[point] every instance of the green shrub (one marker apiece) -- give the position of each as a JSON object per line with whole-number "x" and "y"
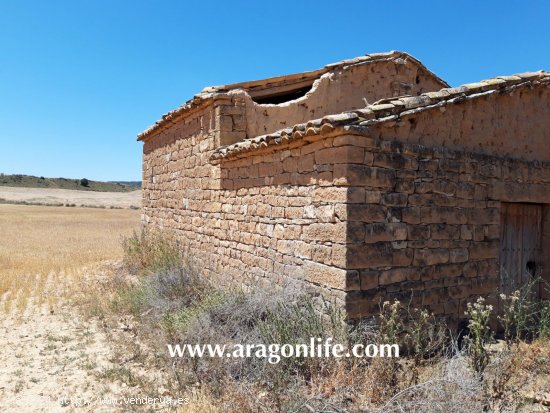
{"x": 130, "y": 299}
{"x": 169, "y": 280}
{"x": 297, "y": 323}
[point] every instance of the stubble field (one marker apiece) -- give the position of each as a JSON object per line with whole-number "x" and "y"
{"x": 37, "y": 242}
{"x": 50, "y": 354}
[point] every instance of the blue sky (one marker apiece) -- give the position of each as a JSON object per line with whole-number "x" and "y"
{"x": 79, "y": 79}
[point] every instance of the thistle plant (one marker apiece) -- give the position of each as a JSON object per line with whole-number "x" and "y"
{"x": 514, "y": 317}
{"x": 390, "y": 326}
{"x": 385, "y": 370}
{"x": 419, "y": 333}
{"x": 419, "y": 339}
{"x": 480, "y": 333}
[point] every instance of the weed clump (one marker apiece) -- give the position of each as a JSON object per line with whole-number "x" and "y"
{"x": 544, "y": 320}
{"x": 170, "y": 302}
{"x": 151, "y": 252}
{"x": 168, "y": 281}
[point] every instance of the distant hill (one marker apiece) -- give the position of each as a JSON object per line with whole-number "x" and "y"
{"x": 136, "y": 184}
{"x": 28, "y": 181}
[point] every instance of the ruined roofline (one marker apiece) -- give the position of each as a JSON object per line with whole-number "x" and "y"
{"x": 384, "y": 110}
{"x": 256, "y": 87}
{"x": 259, "y": 88}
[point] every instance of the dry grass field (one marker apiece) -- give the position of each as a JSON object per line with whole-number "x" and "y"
{"x": 69, "y": 197}
{"x": 39, "y": 241}
{"x": 48, "y": 351}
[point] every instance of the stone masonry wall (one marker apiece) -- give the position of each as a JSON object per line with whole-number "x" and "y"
{"x": 266, "y": 218}
{"x": 424, "y": 222}
{"x": 357, "y": 214}
{"x": 514, "y": 124}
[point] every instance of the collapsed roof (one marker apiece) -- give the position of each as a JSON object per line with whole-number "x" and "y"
{"x": 279, "y": 91}
{"x": 387, "y": 111}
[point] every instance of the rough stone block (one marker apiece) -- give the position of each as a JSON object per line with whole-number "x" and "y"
{"x": 326, "y": 232}
{"x": 385, "y": 232}
{"x": 396, "y": 275}
{"x": 430, "y": 257}
{"x": 325, "y": 275}
{"x": 369, "y": 255}
{"x": 484, "y": 250}
{"x": 340, "y": 155}
{"x": 369, "y": 279}
{"x": 366, "y": 213}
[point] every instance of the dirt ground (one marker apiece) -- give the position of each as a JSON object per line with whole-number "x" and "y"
{"x": 51, "y": 359}
{"x": 47, "y": 196}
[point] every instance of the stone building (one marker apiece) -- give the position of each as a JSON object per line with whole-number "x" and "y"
{"x": 368, "y": 179}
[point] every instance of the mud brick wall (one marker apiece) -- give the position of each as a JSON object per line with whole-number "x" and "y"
{"x": 346, "y": 88}
{"x": 424, "y": 222}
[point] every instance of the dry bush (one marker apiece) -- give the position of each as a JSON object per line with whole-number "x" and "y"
{"x": 167, "y": 301}
{"x": 500, "y": 371}
{"x": 152, "y": 251}
{"x": 259, "y": 317}
{"x": 454, "y": 388}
